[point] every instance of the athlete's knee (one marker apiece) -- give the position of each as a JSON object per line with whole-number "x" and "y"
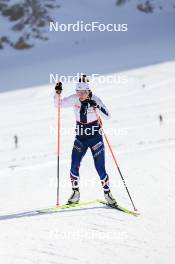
{"x": 78, "y": 146}
{"x": 98, "y": 150}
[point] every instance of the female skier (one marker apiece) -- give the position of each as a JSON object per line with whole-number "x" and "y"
{"x": 88, "y": 135}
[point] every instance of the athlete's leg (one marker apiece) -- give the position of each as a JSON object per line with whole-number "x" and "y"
{"x": 98, "y": 152}
{"x": 79, "y": 150}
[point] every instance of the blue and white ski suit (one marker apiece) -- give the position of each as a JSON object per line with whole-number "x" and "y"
{"x": 88, "y": 135}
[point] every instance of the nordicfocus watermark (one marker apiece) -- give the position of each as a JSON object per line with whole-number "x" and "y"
{"x": 85, "y": 183}
{"x": 81, "y": 131}
{"x": 83, "y": 235}
{"x": 94, "y": 78}
{"x": 93, "y": 26}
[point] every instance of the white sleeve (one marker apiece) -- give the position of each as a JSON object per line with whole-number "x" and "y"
{"x": 101, "y": 109}
{"x": 65, "y": 102}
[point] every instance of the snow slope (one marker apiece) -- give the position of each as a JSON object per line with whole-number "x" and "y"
{"x": 150, "y": 39}
{"x": 95, "y": 234}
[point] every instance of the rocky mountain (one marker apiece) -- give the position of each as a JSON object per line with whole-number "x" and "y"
{"x": 27, "y": 19}
{"x": 149, "y": 6}
{"x": 150, "y": 39}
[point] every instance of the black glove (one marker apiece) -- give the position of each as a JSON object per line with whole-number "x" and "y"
{"x": 58, "y": 88}
{"x": 93, "y": 103}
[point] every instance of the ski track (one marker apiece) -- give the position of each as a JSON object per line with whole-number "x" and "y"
{"x": 93, "y": 234}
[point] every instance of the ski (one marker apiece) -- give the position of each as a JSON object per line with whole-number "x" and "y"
{"x": 60, "y": 208}
{"x": 64, "y": 206}
{"x": 119, "y": 207}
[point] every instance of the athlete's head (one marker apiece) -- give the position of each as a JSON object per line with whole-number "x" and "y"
{"x": 82, "y": 88}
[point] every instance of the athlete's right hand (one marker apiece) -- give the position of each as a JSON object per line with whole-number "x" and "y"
{"x": 58, "y": 88}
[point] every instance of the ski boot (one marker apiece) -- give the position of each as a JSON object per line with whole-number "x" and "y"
{"x": 109, "y": 198}
{"x": 75, "y": 196}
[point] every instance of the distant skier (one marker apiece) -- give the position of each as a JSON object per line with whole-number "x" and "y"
{"x": 160, "y": 119}
{"x": 88, "y": 135}
{"x": 16, "y": 141}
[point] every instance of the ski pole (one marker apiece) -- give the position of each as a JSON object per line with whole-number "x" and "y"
{"x": 114, "y": 158}
{"x": 58, "y": 157}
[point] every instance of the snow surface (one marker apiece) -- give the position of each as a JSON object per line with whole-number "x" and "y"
{"x": 95, "y": 234}
{"x": 150, "y": 39}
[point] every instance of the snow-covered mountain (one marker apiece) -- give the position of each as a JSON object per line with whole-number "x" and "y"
{"x": 149, "y": 39}
{"x": 145, "y": 151}
{"x": 28, "y": 20}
